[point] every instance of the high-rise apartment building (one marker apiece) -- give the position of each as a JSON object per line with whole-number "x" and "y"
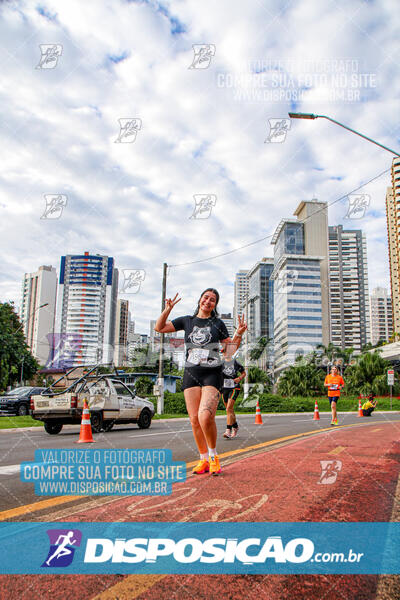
{"x": 381, "y": 316}
{"x": 260, "y": 313}
{"x": 38, "y": 323}
{"x": 348, "y": 284}
{"x": 240, "y": 294}
{"x": 86, "y": 310}
{"x": 121, "y": 333}
{"x": 393, "y": 227}
{"x": 301, "y": 293}
{"x": 228, "y": 320}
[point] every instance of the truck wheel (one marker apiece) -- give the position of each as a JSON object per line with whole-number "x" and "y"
{"x": 144, "y": 421}
{"x": 108, "y": 425}
{"x": 52, "y": 428}
{"x": 22, "y": 410}
{"x": 96, "y": 421}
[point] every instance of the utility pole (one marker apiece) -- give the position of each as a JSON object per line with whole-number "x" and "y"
{"x": 160, "y": 399}
{"x": 246, "y": 355}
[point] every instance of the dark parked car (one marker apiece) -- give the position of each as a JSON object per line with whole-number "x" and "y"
{"x": 17, "y": 401}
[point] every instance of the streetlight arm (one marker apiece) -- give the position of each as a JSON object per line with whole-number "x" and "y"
{"x": 312, "y": 116}
{"x": 358, "y": 133}
{"x": 29, "y": 316}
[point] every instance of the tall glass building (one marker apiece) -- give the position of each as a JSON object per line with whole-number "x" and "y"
{"x": 301, "y": 294}
{"x": 261, "y": 300}
{"x": 86, "y": 310}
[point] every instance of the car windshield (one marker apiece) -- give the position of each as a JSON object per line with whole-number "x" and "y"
{"x": 18, "y": 391}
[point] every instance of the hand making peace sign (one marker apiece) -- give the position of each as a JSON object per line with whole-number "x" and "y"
{"x": 171, "y": 303}
{"x": 242, "y": 326}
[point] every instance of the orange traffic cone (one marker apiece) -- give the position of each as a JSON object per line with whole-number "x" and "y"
{"x": 258, "y": 420}
{"x": 316, "y": 412}
{"x": 85, "y": 435}
{"x": 360, "y": 412}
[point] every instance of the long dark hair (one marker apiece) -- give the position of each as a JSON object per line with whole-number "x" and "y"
{"x": 214, "y": 312}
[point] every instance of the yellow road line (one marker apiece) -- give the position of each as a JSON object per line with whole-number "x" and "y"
{"x": 337, "y": 450}
{"x": 35, "y": 506}
{"x": 22, "y": 510}
{"x": 129, "y": 588}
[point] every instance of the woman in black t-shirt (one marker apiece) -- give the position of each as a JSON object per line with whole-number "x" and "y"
{"x": 205, "y": 333}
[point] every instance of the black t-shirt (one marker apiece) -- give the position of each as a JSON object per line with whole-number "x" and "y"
{"x": 202, "y": 339}
{"x": 231, "y": 370}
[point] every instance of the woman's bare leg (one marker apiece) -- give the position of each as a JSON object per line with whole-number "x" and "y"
{"x": 192, "y": 398}
{"x": 207, "y": 409}
{"x": 230, "y": 412}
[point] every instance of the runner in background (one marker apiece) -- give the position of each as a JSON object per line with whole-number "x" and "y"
{"x": 205, "y": 337}
{"x": 233, "y": 373}
{"x": 334, "y": 382}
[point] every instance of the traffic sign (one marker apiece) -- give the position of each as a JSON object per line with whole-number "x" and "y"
{"x": 390, "y": 377}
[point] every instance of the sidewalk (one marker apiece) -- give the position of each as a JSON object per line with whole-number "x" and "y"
{"x": 284, "y": 483}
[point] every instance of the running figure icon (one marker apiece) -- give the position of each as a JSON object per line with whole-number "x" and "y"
{"x": 62, "y": 549}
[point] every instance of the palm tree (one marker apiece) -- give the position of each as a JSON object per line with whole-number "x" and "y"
{"x": 261, "y": 345}
{"x": 301, "y": 380}
{"x": 368, "y": 375}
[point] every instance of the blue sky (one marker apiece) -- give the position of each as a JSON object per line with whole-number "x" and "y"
{"x": 200, "y": 131}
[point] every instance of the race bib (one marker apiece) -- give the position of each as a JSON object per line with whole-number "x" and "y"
{"x": 229, "y": 383}
{"x": 198, "y": 356}
{"x": 334, "y": 386}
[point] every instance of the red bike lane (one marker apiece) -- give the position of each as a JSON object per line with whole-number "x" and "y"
{"x": 347, "y": 474}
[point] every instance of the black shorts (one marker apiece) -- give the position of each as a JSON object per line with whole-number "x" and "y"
{"x": 333, "y": 399}
{"x": 202, "y": 376}
{"x": 228, "y": 393}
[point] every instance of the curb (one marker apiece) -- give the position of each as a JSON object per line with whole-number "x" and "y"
{"x": 264, "y": 414}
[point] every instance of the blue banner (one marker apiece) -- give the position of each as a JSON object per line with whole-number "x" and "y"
{"x": 200, "y": 548}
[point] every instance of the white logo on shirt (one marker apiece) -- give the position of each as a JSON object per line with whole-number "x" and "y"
{"x": 200, "y": 335}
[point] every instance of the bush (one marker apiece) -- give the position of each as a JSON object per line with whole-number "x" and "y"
{"x": 143, "y": 386}
{"x": 174, "y": 403}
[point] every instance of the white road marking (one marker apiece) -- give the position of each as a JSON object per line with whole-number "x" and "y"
{"x": 164, "y": 433}
{"x": 9, "y": 469}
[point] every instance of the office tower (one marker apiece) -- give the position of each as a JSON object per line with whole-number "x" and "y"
{"x": 240, "y": 294}
{"x": 86, "y": 310}
{"x": 301, "y": 295}
{"x": 121, "y": 333}
{"x": 393, "y": 227}
{"x": 381, "y": 316}
{"x": 348, "y": 284}
{"x": 131, "y": 326}
{"x": 38, "y": 323}
{"x": 154, "y": 336}
{"x": 260, "y": 312}
{"x": 228, "y": 320}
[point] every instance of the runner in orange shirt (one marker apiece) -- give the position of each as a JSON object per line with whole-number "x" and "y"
{"x": 334, "y": 383}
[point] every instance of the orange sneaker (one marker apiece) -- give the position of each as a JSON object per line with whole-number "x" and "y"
{"x": 215, "y": 467}
{"x": 202, "y": 466}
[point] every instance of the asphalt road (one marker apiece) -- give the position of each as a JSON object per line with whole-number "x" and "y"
{"x": 17, "y": 446}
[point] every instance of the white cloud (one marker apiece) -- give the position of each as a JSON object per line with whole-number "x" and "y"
{"x": 133, "y": 201}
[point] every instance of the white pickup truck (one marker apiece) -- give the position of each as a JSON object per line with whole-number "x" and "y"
{"x": 110, "y": 401}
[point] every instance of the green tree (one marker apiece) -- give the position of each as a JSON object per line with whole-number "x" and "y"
{"x": 14, "y": 352}
{"x": 144, "y": 385}
{"x": 368, "y": 375}
{"x": 301, "y": 379}
{"x": 261, "y": 345}
{"x": 257, "y": 375}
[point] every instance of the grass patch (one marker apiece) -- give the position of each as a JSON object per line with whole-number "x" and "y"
{"x": 14, "y": 422}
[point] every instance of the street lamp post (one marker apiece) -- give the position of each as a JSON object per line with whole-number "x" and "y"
{"x": 29, "y": 316}
{"x": 312, "y": 116}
